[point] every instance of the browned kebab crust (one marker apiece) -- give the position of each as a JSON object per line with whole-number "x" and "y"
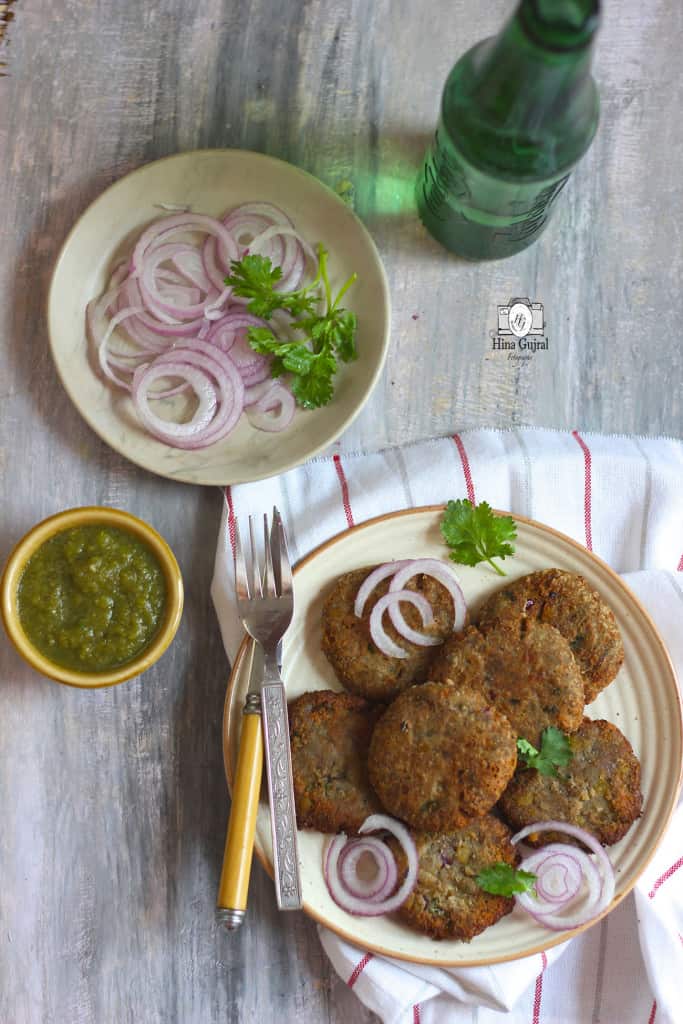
{"x": 346, "y": 641}
{"x": 447, "y": 902}
{"x": 599, "y": 790}
{"x": 440, "y": 756}
{"x": 330, "y": 734}
{"x": 525, "y": 670}
{"x": 566, "y": 601}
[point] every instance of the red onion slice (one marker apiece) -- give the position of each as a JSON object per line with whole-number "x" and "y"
{"x": 175, "y": 433}
{"x": 258, "y": 209}
{"x": 253, "y": 366}
{"x": 552, "y": 907}
{"x": 401, "y": 626}
{"x": 559, "y": 873}
{"x": 230, "y": 387}
{"x": 155, "y": 301}
{"x": 383, "y": 884}
{"x": 381, "y": 640}
{"x": 253, "y": 392}
{"x": 444, "y": 575}
{"x": 192, "y": 269}
{"x": 293, "y": 262}
{"x": 274, "y": 410}
{"x": 169, "y": 300}
{"x": 367, "y": 906}
{"x": 371, "y": 581}
{"x": 103, "y": 351}
{"x": 154, "y": 330}
{"x": 161, "y": 231}
{"x": 201, "y": 366}
{"x": 215, "y": 272}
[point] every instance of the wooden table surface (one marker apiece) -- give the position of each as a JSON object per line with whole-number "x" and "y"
{"x": 113, "y": 803}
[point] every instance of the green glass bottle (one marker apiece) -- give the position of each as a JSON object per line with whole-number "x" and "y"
{"x": 518, "y": 111}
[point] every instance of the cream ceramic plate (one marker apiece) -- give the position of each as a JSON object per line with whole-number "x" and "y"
{"x": 212, "y": 181}
{"x": 642, "y": 701}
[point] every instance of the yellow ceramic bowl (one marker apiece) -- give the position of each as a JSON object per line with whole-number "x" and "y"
{"x": 84, "y": 517}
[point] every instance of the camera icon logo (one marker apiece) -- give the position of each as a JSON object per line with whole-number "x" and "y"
{"x": 521, "y": 317}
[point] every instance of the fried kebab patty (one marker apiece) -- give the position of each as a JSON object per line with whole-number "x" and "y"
{"x": 599, "y": 790}
{"x": 440, "y": 756}
{"x": 525, "y": 670}
{"x": 446, "y": 902}
{"x": 564, "y": 600}
{"x": 348, "y": 645}
{"x": 329, "y": 734}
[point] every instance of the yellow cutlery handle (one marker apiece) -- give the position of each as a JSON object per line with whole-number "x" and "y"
{"x": 239, "y": 842}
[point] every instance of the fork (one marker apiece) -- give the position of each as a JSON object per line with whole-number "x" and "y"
{"x": 265, "y": 603}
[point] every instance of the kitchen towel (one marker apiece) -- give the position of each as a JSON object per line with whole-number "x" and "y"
{"x": 622, "y": 497}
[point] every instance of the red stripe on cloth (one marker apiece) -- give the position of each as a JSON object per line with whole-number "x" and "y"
{"x": 467, "y": 473}
{"x": 416, "y": 1014}
{"x": 538, "y": 991}
{"x": 587, "y": 470}
{"x": 653, "y": 1013}
{"x": 667, "y": 874}
{"x": 358, "y": 969}
{"x": 680, "y": 565}
{"x": 231, "y": 517}
{"x": 344, "y": 490}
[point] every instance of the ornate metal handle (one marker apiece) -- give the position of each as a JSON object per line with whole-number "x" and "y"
{"x": 281, "y": 796}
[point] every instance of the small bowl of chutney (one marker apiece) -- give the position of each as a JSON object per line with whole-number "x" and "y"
{"x": 91, "y": 596}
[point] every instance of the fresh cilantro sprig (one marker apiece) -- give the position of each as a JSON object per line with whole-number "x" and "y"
{"x": 503, "y": 880}
{"x": 555, "y": 752}
{"x": 254, "y": 278}
{"x": 312, "y": 362}
{"x": 475, "y": 534}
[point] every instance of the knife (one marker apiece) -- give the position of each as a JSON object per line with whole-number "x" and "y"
{"x": 233, "y": 887}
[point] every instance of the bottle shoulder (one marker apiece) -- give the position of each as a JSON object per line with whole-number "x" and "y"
{"x": 516, "y": 114}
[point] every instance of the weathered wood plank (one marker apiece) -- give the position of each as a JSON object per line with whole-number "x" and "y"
{"x": 114, "y": 803}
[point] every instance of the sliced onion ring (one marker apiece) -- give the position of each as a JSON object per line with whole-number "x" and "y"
{"x": 551, "y": 909}
{"x": 383, "y": 884}
{"x": 369, "y": 906}
{"x": 371, "y": 581}
{"x": 440, "y": 572}
{"x": 167, "y": 313}
{"x": 381, "y": 640}
{"x": 274, "y": 410}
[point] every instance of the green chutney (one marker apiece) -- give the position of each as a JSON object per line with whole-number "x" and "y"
{"x": 91, "y": 598}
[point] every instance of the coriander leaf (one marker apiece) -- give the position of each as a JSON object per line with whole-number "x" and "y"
{"x": 298, "y": 359}
{"x": 526, "y": 750}
{"x": 555, "y": 751}
{"x": 342, "y": 335}
{"x": 292, "y": 355}
{"x": 503, "y": 880}
{"x": 312, "y": 359}
{"x": 254, "y": 278}
{"x": 315, "y": 388}
{"x": 312, "y": 372}
{"x": 262, "y": 340}
{"x": 476, "y": 534}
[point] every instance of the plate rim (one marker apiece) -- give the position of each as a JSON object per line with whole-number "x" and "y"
{"x": 371, "y": 380}
{"x": 554, "y": 938}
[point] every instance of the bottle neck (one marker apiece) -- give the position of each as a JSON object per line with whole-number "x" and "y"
{"x": 554, "y": 37}
{"x": 536, "y": 64}
{"x": 559, "y": 26}
{"x": 524, "y": 101}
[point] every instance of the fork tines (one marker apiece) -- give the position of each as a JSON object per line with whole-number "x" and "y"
{"x": 270, "y": 576}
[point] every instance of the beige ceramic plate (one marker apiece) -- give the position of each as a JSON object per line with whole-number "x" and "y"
{"x": 642, "y": 701}
{"x": 212, "y": 181}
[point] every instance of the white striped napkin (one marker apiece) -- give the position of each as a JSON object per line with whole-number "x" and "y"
{"x": 621, "y": 497}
